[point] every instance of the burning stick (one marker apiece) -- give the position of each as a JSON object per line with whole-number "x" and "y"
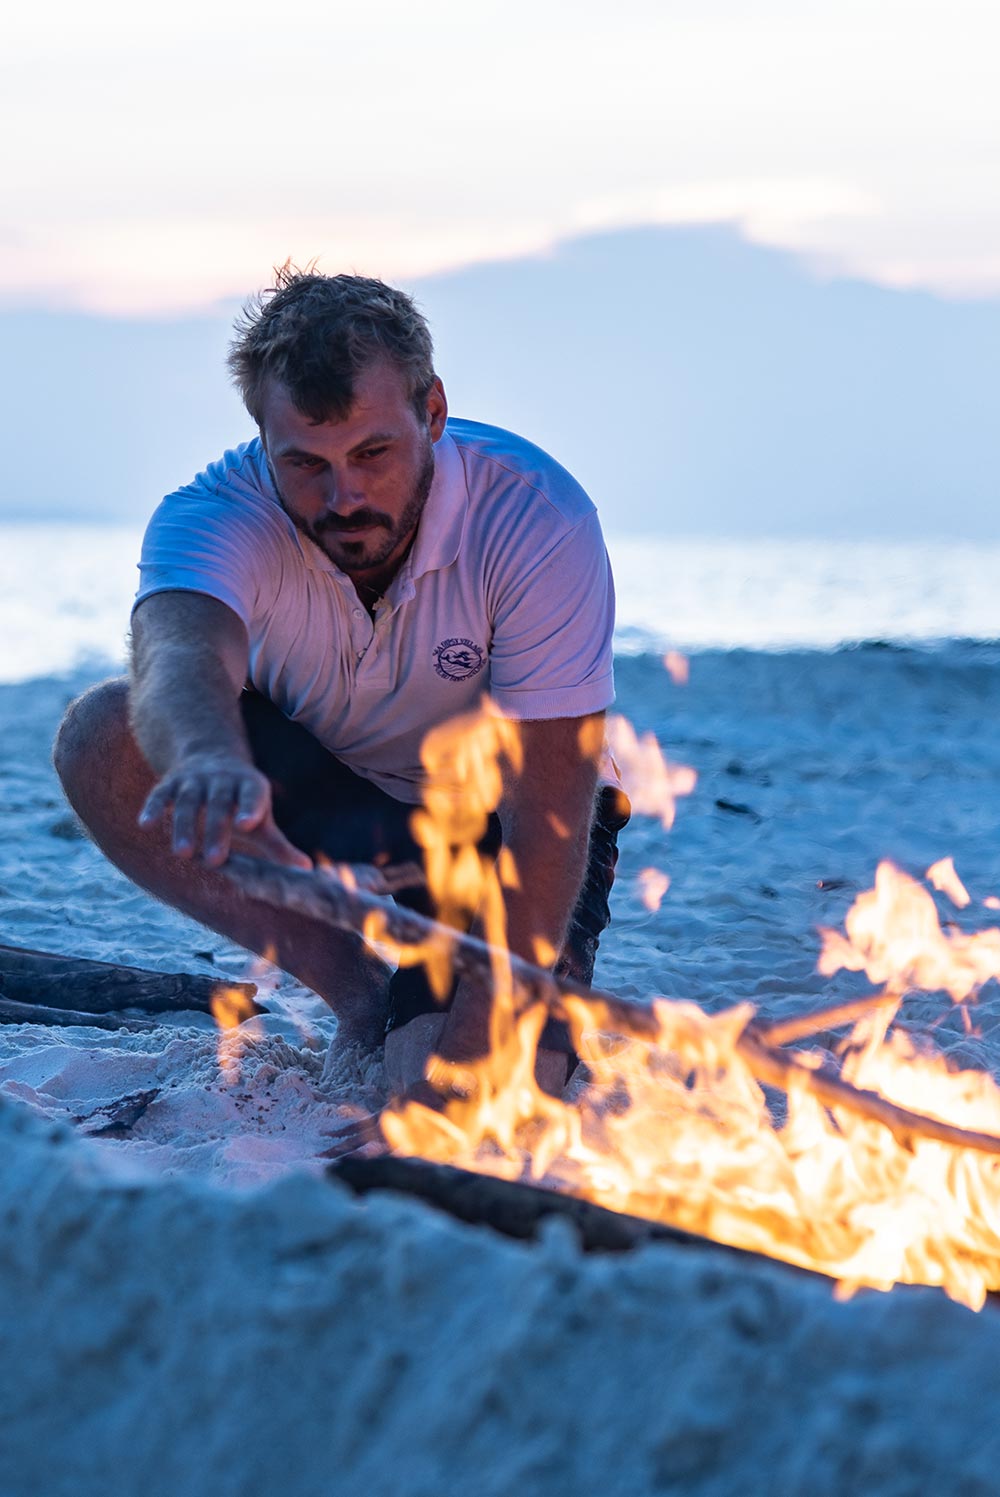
{"x": 324, "y": 897}
{"x": 837, "y": 1016}
{"x": 784, "y": 1072}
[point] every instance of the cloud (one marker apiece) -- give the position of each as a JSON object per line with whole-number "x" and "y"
{"x": 168, "y": 265}
{"x": 863, "y": 137}
{"x": 768, "y": 210}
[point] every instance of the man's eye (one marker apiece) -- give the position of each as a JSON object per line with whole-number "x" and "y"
{"x": 371, "y": 452}
{"x": 305, "y": 462}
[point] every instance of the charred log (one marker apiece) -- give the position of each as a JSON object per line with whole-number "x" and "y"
{"x": 117, "y": 1118}
{"x": 513, "y": 1208}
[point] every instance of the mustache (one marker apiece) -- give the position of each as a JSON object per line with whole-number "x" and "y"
{"x": 361, "y": 519}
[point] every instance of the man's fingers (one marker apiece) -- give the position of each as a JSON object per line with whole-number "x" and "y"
{"x": 253, "y": 802}
{"x": 188, "y": 802}
{"x": 235, "y": 804}
{"x": 214, "y": 804}
{"x": 218, "y": 829}
{"x": 157, "y": 802}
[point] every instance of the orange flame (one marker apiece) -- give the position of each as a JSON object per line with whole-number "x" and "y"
{"x": 651, "y": 783}
{"x": 942, "y": 876}
{"x": 678, "y": 1130}
{"x": 464, "y": 760}
{"x": 894, "y": 936}
{"x": 675, "y": 1127}
{"x": 678, "y": 667}
{"x": 653, "y": 885}
{"x": 234, "y": 1013}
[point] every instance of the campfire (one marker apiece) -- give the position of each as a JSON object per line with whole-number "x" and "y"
{"x": 869, "y": 1159}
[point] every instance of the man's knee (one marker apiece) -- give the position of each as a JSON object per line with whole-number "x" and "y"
{"x": 92, "y": 735}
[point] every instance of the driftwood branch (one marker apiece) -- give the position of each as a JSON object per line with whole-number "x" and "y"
{"x": 12, "y": 1012}
{"x": 74, "y": 984}
{"x": 322, "y": 896}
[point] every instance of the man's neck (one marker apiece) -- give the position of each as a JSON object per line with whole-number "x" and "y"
{"x": 369, "y": 594}
{"x": 372, "y": 585}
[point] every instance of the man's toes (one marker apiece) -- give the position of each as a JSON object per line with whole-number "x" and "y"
{"x": 407, "y": 1050}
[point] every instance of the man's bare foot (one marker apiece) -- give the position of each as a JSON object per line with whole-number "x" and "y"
{"x": 354, "y": 1059}
{"x": 408, "y": 1049}
{"x": 361, "y": 1136}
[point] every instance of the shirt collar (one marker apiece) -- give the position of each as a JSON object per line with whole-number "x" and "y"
{"x": 439, "y": 534}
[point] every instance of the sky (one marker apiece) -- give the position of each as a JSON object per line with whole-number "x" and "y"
{"x": 693, "y": 382}
{"x": 157, "y": 160}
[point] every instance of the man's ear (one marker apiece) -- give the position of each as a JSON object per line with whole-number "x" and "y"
{"x": 437, "y": 409}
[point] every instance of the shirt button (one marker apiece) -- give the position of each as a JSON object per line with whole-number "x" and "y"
{"x": 357, "y": 613}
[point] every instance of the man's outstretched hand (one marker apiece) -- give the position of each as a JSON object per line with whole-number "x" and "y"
{"x": 214, "y": 800}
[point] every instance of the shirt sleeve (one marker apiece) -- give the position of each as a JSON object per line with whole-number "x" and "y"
{"x": 551, "y": 654}
{"x": 203, "y": 539}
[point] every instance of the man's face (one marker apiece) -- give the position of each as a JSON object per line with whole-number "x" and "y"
{"x": 356, "y": 487}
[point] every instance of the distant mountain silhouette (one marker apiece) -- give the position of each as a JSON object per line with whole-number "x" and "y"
{"x": 695, "y": 383}
{"x": 100, "y": 416}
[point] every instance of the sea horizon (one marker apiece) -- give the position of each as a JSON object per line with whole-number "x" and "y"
{"x": 66, "y": 589}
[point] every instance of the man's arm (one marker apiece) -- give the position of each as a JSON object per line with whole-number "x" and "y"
{"x": 188, "y": 665}
{"x": 545, "y": 813}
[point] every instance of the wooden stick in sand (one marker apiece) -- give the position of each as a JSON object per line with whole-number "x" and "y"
{"x": 12, "y": 1012}
{"x": 73, "y": 984}
{"x": 323, "y": 896}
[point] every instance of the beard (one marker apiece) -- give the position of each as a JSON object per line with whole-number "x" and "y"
{"x": 333, "y": 533}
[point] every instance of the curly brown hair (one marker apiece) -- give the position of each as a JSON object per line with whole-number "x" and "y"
{"x": 315, "y": 333}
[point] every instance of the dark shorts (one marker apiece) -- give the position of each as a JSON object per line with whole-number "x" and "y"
{"x": 324, "y": 807}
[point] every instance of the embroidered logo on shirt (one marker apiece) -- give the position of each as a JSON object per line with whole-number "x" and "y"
{"x": 458, "y": 659}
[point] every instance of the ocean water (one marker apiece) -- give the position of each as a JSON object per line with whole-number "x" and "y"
{"x": 66, "y": 591}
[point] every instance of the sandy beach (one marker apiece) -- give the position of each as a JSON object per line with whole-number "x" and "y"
{"x": 192, "y": 1306}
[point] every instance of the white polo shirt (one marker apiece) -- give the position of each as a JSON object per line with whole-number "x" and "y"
{"x": 507, "y": 591}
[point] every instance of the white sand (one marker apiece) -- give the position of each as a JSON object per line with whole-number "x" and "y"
{"x": 172, "y": 1338}
{"x": 191, "y": 1307}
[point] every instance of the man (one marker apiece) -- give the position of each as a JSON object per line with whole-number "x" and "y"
{"x": 309, "y": 608}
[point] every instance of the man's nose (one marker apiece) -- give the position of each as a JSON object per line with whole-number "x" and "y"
{"x": 340, "y": 495}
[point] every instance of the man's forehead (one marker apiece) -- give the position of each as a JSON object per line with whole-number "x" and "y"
{"x": 380, "y": 396}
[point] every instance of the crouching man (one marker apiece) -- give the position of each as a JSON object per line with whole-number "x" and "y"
{"x": 309, "y": 608}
